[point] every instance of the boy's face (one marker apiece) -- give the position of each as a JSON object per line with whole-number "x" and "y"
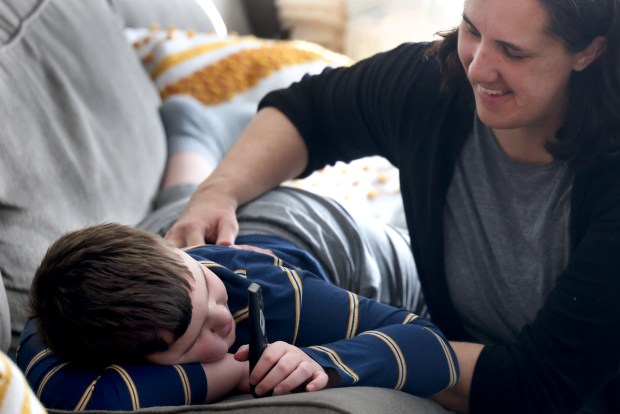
{"x": 211, "y": 331}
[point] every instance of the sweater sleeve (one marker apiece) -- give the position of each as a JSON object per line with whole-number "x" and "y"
{"x": 377, "y": 345}
{"x": 66, "y": 386}
{"x": 572, "y": 348}
{"x": 352, "y": 112}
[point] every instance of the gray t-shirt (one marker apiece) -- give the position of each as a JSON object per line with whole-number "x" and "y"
{"x": 506, "y": 236}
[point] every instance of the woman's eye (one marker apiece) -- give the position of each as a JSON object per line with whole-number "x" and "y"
{"x": 471, "y": 29}
{"x": 511, "y": 54}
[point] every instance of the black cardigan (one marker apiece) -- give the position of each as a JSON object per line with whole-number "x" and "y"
{"x": 392, "y": 105}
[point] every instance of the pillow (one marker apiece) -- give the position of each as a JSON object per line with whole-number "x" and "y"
{"x": 225, "y": 70}
{"x": 15, "y": 394}
{"x": 221, "y": 79}
{"x": 230, "y": 74}
{"x": 81, "y": 139}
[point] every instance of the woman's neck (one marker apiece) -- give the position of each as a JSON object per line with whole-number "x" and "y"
{"x": 525, "y": 146}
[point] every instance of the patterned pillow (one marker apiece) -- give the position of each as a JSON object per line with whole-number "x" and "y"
{"x": 230, "y": 75}
{"x": 218, "y": 70}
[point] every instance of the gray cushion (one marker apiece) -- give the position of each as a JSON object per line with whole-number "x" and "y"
{"x": 81, "y": 140}
{"x": 183, "y": 14}
{"x": 353, "y": 400}
{"x": 5, "y": 321}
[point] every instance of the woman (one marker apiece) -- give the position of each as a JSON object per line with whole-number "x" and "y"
{"x": 506, "y": 134}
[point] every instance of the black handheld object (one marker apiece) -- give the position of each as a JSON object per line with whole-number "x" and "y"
{"x": 258, "y": 339}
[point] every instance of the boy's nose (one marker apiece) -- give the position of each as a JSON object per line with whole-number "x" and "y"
{"x": 220, "y": 318}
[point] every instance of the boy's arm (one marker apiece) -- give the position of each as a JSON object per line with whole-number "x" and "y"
{"x": 230, "y": 374}
{"x": 62, "y": 385}
{"x": 369, "y": 343}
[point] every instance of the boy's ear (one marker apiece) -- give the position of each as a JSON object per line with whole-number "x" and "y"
{"x": 590, "y": 53}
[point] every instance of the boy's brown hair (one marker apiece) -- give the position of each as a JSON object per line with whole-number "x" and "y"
{"x": 110, "y": 294}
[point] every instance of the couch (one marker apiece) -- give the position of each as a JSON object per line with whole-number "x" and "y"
{"x": 82, "y": 143}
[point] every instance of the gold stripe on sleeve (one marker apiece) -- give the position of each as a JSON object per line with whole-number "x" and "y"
{"x": 81, "y": 405}
{"x": 187, "y": 391}
{"x": 241, "y": 314}
{"x": 354, "y": 302}
{"x": 36, "y": 359}
{"x": 333, "y": 355}
{"x": 295, "y": 280}
{"x": 410, "y": 318}
{"x": 398, "y": 356}
{"x": 209, "y": 263}
{"x": 449, "y": 360}
{"x": 131, "y": 387}
{"x": 47, "y": 377}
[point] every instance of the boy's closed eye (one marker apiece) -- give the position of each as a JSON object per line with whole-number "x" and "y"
{"x": 211, "y": 330}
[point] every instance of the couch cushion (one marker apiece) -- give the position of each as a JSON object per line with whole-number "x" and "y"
{"x": 185, "y": 14}
{"x": 81, "y": 139}
{"x": 351, "y": 400}
{"x": 5, "y": 319}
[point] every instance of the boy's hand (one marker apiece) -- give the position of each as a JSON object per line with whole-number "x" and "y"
{"x": 283, "y": 368}
{"x": 226, "y": 375}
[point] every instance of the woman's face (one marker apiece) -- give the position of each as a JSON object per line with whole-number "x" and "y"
{"x": 519, "y": 73}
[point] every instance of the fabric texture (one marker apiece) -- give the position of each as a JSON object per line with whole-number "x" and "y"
{"x": 352, "y": 400}
{"x": 226, "y": 75}
{"x": 393, "y": 105}
{"x": 15, "y": 394}
{"x": 357, "y": 252}
{"x": 185, "y": 14}
{"x": 367, "y": 343}
{"x": 495, "y": 207}
{"x": 81, "y": 142}
{"x": 5, "y": 319}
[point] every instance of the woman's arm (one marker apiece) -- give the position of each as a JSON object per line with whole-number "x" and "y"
{"x": 268, "y": 152}
{"x": 457, "y": 397}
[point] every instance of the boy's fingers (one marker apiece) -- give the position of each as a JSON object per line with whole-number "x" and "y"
{"x": 318, "y": 383}
{"x": 242, "y": 353}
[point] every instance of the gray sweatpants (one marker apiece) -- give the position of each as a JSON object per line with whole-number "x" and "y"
{"x": 359, "y": 254}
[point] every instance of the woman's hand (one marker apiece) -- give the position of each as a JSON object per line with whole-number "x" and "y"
{"x": 209, "y": 216}
{"x": 283, "y": 368}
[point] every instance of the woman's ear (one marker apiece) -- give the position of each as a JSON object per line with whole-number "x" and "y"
{"x": 590, "y": 53}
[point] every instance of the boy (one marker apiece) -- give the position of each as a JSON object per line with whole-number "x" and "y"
{"x": 112, "y": 294}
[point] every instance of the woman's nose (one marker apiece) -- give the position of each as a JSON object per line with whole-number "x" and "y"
{"x": 483, "y": 66}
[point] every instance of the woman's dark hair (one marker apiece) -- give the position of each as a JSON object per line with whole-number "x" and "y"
{"x": 110, "y": 294}
{"x": 592, "y": 128}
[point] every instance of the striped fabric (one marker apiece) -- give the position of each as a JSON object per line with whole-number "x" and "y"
{"x": 15, "y": 394}
{"x": 216, "y": 70}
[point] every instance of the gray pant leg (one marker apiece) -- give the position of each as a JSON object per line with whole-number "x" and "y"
{"x": 167, "y": 208}
{"x": 359, "y": 254}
